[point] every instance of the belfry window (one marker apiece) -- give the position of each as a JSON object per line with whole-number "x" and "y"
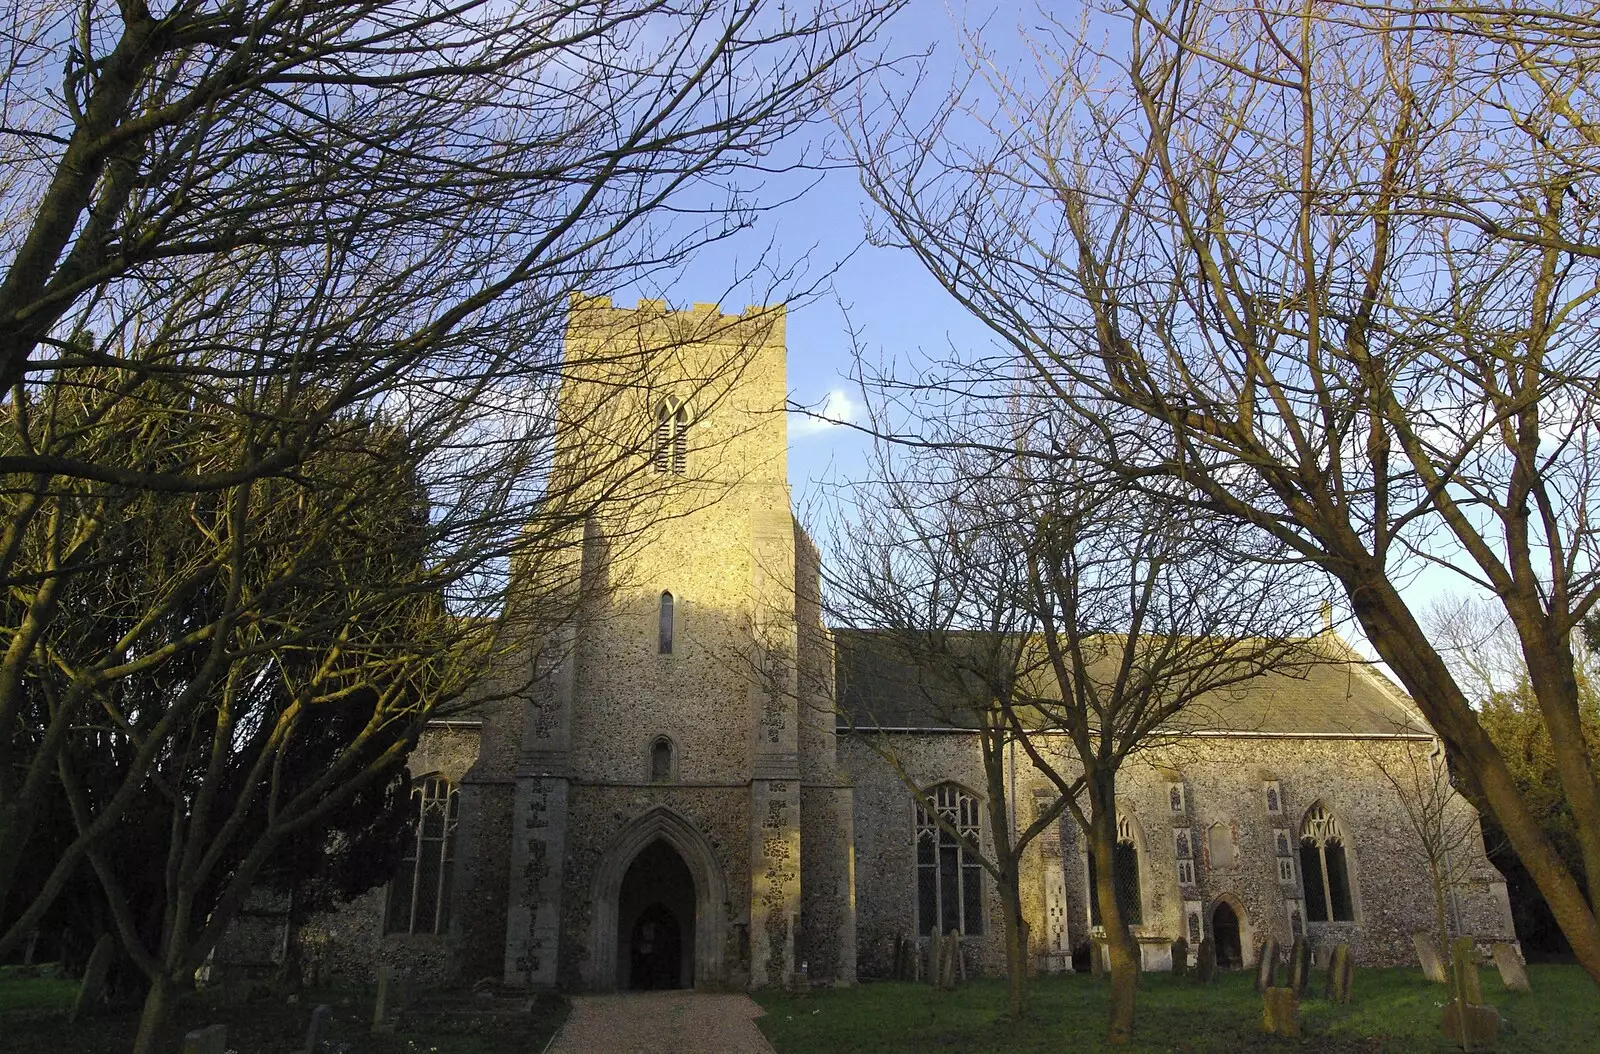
{"x": 1325, "y": 868}
{"x": 672, "y": 438}
{"x": 949, "y": 876}
{"x": 419, "y": 893}
{"x": 1124, "y": 878}
{"x": 664, "y": 630}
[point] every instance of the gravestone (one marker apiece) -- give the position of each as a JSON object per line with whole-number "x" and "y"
{"x": 1205, "y": 967}
{"x": 213, "y": 1039}
{"x": 317, "y": 1036}
{"x": 1341, "y": 974}
{"x": 1428, "y": 955}
{"x": 948, "y": 957}
{"x": 1267, "y": 965}
{"x": 1180, "y": 957}
{"x": 1300, "y": 966}
{"x": 1464, "y": 961}
{"x": 1477, "y": 1028}
{"x": 935, "y": 968}
{"x": 1097, "y": 964}
{"x": 1513, "y": 974}
{"x": 92, "y": 989}
{"x": 1280, "y": 1011}
{"x": 380, "y": 1005}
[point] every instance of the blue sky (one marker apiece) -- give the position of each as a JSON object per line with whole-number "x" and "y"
{"x": 896, "y": 311}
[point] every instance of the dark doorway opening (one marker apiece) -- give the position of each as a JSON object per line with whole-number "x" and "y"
{"x": 655, "y": 921}
{"x": 1225, "y": 931}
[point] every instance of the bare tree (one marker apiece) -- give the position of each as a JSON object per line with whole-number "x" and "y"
{"x": 1062, "y": 612}
{"x": 275, "y": 272}
{"x": 1325, "y": 269}
{"x": 930, "y": 582}
{"x": 1445, "y": 826}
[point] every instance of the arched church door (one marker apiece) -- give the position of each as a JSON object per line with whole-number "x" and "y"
{"x": 655, "y": 921}
{"x": 1225, "y": 931}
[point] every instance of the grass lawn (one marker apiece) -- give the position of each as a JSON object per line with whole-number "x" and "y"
{"x": 1392, "y": 1010}
{"x": 32, "y": 1022}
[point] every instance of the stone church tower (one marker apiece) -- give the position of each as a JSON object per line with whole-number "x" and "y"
{"x": 678, "y": 814}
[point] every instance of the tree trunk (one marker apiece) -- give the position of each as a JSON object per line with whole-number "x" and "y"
{"x": 1016, "y": 948}
{"x": 153, "y": 1017}
{"x": 1400, "y": 642}
{"x": 1124, "y": 955}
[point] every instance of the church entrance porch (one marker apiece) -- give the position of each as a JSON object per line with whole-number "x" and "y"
{"x": 655, "y": 921}
{"x": 659, "y": 884}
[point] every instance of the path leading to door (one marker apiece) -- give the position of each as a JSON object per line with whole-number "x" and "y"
{"x": 681, "y": 1022}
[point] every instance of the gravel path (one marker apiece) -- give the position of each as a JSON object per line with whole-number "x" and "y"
{"x": 662, "y": 1023}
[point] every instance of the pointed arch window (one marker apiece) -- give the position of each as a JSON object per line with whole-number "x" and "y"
{"x": 1124, "y": 878}
{"x": 672, "y": 437}
{"x": 661, "y": 760}
{"x": 419, "y": 893}
{"x": 949, "y": 876}
{"x": 664, "y": 629}
{"x": 1325, "y": 868}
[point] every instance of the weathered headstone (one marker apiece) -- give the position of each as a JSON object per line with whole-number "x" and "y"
{"x": 1341, "y": 974}
{"x": 1299, "y": 966}
{"x": 1428, "y": 955}
{"x": 948, "y": 956}
{"x": 213, "y": 1039}
{"x": 1205, "y": 966}
{"x": 1280, "y": 1011}
{"x": 92, "y": 989}
{"x": 1464, "y": 961}
{"x": 1097, "y": 962}
{"x": 321, "y": 1030}
{"x": 1267, "y": 965}
{"x": 380, "y": 1005}
{"x": 1180, "y": 957}
{"x": 1513, "y": 974}
{"x": 935, "y": 968}
{"x": 1471, "y": 1027}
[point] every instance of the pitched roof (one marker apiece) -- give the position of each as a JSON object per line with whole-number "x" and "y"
{"x": 1324, "y": 689}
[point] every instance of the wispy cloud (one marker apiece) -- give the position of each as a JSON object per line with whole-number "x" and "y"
{"x": 835, "y": 409}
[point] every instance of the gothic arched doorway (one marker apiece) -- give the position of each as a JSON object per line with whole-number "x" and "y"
{"x": 1225, "y": 931}
{"x": 656, "y": 920}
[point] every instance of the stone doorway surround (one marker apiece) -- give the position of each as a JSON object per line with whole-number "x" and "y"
{"x": 710, "y": 897}
{"x": 1247, "y": 949}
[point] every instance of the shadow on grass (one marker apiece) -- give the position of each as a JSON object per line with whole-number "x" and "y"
{"x": 1394, "y": 1010}
{"x": 32, "y": 1021}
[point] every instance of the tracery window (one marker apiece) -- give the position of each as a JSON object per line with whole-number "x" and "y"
{"x": 1124, "y": 878}
{"x": 1324, "y": 867}
{"x": 949, "y": 876}
{"x": 419, "y": 893}
{"x": 664, "y": 630}
{"x": 672, "y": 438}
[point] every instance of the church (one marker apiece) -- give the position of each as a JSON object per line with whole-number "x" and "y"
{"x": 685, "y": 786}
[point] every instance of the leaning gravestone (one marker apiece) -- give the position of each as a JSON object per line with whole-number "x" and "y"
{"x": 1513, "y": 974}
{"x": 1467, "y": 1021}
{"x": 213, "y": 1039}
{"x": 1464, "y": 961}
{"x": 92, "y": 989}
{"x": 1300, "y": 967}
{"x": 1267, "y": 965}
{"x": 1180, "y": 957}
{"x": 317, "y": 1036}
{"x": 380, "y": 1005}
{"x": 1428, "y": 955}
{"x": 1280, "y": 1011}
{"x": 1205, "y": 966}
{"x": 1341, "y": 974}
